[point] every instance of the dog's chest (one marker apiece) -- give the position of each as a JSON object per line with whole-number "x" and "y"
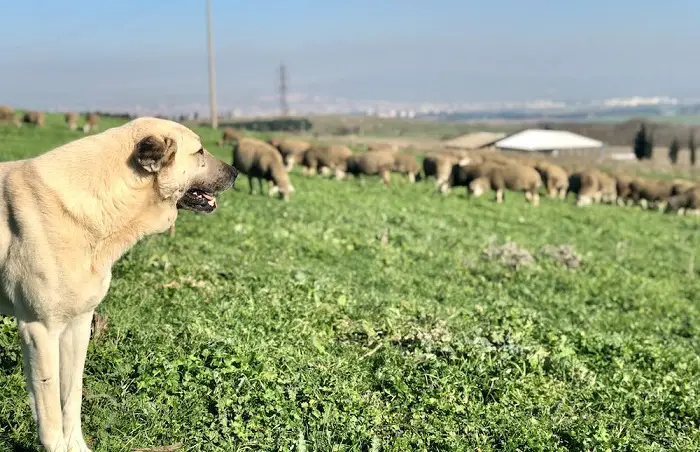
{"x": 92, "y": 292}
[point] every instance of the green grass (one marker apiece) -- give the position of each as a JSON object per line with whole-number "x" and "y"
{"x": 357, "y": 317}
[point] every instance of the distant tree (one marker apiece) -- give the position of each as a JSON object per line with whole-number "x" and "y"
{"x": 673, "y": 150}
{"x": 691, "y": 147}
{"x": 640, "y": 143}
{"x": 650, "y": 146}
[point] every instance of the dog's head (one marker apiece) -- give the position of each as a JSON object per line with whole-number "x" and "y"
{"x": 184, "y": 173}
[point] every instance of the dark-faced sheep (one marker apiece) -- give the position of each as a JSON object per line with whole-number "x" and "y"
{"x": 685, "y": 203}
{"x": 371, "y": 164}
{"x": 259, "y": 160}
{"x": 291, "y": 149}
{"x": 513, "y": 177}
{"x": 592, "y": 185}
{"x": 91, "y": 123}
{"x": 326, "y": 158}
{"x": 679, "y": 186}
{"x": 37, "y": 118}
{"x": 439, "y": 165}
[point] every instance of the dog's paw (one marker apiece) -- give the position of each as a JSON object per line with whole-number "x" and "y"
{"x": 77, "y": 445}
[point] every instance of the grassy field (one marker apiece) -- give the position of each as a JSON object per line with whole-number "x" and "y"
{"x": 359, "y": 317}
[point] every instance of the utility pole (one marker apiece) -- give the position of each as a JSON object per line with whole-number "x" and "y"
{"x": 212, "y": 82}
{"x": 284, "y": 108}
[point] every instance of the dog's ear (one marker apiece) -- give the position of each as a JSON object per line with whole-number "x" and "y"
{"x": 154, "y": 153}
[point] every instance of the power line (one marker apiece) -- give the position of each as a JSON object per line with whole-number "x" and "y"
{"x": 284, "y": 107}
{"x": 212, "y": 79}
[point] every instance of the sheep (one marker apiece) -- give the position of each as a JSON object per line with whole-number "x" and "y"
{"x": 555, "y": 179}
{"x": 38, "y": 118}
{"x": 514, "y": 177}
{"x": 291, "y": 149}
{"x": 686, "y": 202}
{"x": 650, "y": 193}
{"x": 439, "y": 165}
{"x": 406, "y": 164}
{"x": 326, "y": 158}
{"x": 7, "y": 113}
{"x": 622, "y": 185}
{"x": 608, "y": 188}
{"x": 259, "y": 160}
{"x": 592, "y": 185}
{"x": 679, "y": 186}
{"x": 371, "y": 163}
{"x": 71, "y": 120}
{"x": 91, "y": 123}
{"x": 442, "y": 164}
{"x": 229, "y": 135}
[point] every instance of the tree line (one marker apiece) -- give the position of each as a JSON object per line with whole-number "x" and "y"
{"x": 643, "y": 146}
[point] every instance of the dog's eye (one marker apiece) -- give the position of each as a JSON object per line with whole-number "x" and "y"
{"x": 201, "y": 151}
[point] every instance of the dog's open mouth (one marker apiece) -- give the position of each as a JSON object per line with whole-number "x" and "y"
{"x": 197, "y": 200}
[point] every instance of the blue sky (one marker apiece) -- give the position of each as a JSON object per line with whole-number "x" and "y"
{"x": 93, "y": 54}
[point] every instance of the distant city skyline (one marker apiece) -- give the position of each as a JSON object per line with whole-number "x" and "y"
{"x": 87, "y": 55}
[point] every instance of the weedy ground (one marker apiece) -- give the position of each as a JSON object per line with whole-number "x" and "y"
{"x": 359, "y": 317}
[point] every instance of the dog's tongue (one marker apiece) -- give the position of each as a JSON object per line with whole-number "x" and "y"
{"x": 210, "y": 199}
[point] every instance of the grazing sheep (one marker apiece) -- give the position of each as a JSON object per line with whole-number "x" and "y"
{"x": 650, "y": 193}
{"x": 608, "y": 188}
{"x": 38, "y": 118}
{"x": 325, "y": 159}
{"x": 291, "y": 149}
{"x": 230, "y": 135}
{"x": 679, "y": 186}
{"x": 371, "y": 163}
{"x": 259, "y": 160}
{"x": 685, "y": 203}
{"x": 622, "y": 185}
{"x": 514, "y": 177}
{"x": 71, "y": 120}
{"x": 7, "y": 113}
{"x": 439, "y": 165}
{"x": 592, "y": 185}
{"x": 91, "y": 123}
{"x": 555, "y": 179}
{"x": 406, "y": 164}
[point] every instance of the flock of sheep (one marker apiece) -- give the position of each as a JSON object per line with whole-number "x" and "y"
{"x": 38, "y": 118}
{"x": 478, "y": 171}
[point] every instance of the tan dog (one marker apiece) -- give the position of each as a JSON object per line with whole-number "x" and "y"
{"x": 68, "y": 215}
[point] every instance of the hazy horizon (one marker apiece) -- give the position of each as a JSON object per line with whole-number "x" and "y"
{"x": 84, "y": 54}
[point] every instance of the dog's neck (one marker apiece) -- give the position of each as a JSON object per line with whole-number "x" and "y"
{"x": 112, "y": 207}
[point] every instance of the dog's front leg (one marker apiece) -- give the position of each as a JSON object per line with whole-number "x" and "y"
{"x": 73, "y": 348}
{"x": 40, "y": 353}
